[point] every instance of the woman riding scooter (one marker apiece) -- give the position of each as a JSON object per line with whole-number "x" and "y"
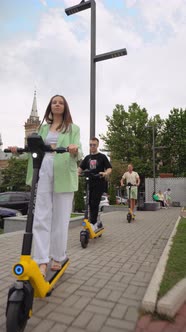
{"x": 58, "y": 179}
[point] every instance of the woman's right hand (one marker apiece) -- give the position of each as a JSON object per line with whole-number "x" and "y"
{"x": 13, "y": 149}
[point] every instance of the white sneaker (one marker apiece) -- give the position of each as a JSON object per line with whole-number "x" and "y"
{"x": 93, "y": 227}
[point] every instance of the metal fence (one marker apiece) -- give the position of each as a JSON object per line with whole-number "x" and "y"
{"x": 177, "y": 186}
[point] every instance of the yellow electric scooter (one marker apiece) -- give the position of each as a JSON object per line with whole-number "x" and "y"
{"x": 87, "y": 232}
{"x": 30, "y": 282}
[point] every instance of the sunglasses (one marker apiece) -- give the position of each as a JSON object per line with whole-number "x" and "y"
{"x": 92, "y": 144}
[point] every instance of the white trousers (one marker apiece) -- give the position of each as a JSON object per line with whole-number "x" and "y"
{"x": 51, "y": 217}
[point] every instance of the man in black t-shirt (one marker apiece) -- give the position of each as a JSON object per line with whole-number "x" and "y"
{"x": 98, "y": 163}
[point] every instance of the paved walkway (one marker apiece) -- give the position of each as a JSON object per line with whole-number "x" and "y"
{"x": 105, "y": 283}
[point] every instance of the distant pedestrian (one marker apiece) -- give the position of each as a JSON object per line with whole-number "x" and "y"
{"x": 159, "y": 198}
{"x": 167, "y": 196}
{"x": 133, "y": 178}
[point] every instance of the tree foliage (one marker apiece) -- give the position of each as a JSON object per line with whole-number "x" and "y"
{"x": 129, "y": 136}
{"x": 174, "y": 139}
{"x": 112, "y": 194}
{"x": 14, "y": 176}
{"x": 79, "y": 204}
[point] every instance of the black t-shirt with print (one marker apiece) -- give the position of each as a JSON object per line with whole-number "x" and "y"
{"x": 96, "y": 163}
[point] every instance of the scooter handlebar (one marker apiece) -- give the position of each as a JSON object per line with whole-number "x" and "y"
{"x": 19, "y": 150}
{"x": 89, "y": 174}
{"x": 47, "y": 148}
{"x": 61, "y": 150}
{"x": 131, "y": 185}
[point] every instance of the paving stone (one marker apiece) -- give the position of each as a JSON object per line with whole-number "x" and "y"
{"x": 119, "y": 311}
{"x": 132, "y": 314}
{"x": 101, "y": 303}
{"x": 60, "y": 318}
{"x": 111, "y": 329}
{"x": 45, "y": 326}
{"x": 96, "y": 323}
{"x": 59, "y": 328}
{"x": 46, "y": 309}
{"x": 99, "y": 310}
{"x": 83, "y": 319}
{"x": 122, "y": 324}
{"x": 103, "y": 294}
{"x": 82, "y": 302}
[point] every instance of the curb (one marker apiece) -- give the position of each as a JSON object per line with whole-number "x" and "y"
{"x": 149, "y": 301}
{"x": 17, "y": 224}
{"x": 170, "y": 303}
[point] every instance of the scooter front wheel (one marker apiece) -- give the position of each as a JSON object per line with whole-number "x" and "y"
{"x": 84, "y": 241}
{"x": 84, "y": 237}
{"x": 16, "y": 320}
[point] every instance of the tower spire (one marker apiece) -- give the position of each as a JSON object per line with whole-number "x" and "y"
{"x": 34, "y": 113}
{"x": 33, "y": 122}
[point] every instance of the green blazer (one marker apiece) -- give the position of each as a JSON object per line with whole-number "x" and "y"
{"x": 65, "y": 165}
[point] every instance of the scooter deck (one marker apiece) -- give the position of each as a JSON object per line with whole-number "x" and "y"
{"x": 50, "y": 275}
{"x": 98, "y": 230}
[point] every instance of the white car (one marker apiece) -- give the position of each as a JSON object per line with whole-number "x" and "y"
{"x": 121, "y": 200}
{"x": 103, "y": 202}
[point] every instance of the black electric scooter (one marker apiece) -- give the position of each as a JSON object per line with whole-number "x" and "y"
{"x": 130, "y": 215}
{"x": 30, "y": 282}
{"x": 88, "y": 233}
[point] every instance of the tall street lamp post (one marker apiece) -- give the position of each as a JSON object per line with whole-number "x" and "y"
{"x": 83, "y": 5}
{"x": 154, "y": 148}
{"x": 153, "y": 156}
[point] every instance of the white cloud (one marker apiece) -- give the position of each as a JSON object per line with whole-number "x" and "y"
{"x": 56, "y": 60}
{"x": 44, "y": 3}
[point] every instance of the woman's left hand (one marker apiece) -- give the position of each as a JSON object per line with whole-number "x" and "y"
{"x": 73, "y": 149}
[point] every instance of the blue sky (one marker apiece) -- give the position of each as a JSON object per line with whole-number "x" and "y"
{"x": 42, "y": 47}
{"x": 21, "y": 17}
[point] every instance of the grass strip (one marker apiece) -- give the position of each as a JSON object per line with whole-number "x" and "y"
{"x": 73, "y": 215}
{"x": 176, "y": 265}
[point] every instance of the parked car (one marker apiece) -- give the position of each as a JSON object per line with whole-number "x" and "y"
{"x": 103, "y": 202}
{"x": 121, "y": 200}
{"x": 5, "y": 212}
{"x": 17, "y": 200}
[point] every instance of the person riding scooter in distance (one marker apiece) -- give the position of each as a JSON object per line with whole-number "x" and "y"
{"x": 133, "y": 178}
{"x": 97, "y": 163}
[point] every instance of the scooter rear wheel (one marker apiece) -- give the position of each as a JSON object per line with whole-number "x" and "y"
{"x": 129, "y": 217}
{"x": 16, "y": 321}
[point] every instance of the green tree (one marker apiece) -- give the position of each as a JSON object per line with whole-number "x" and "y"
{"x": 14, "y": 176}
{"x": 128, "y": 137}
{"x": 79, "y": 204}
{"x": 112, "y": 194}
{"x": 174, "y": 140}
{"x": 118, "y": 169}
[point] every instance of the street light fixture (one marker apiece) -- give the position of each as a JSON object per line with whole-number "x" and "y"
{"x": 78, "y": 8}
{"x": 83, "y": 5}
{"x": 110, "y": 55}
